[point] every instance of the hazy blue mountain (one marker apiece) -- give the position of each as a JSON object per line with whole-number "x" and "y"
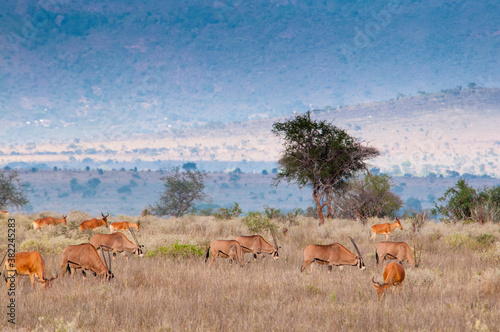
{"x": 66, "y": 66}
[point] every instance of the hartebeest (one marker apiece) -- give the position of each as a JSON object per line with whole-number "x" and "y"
{"x": 331, "y": 254}
{"x": 28, "y": 263}
{"x": 85, "y": 256}
{"x": 94, "y": 223}
{"x": 385, "y": 229}
{"x": 257, "y": 245}
{"x": 394, "y": 274}
{"x": 47, "y": 221}
{"x": 226, "y": 249}
{"x": 123, "y": 226}
{"x": 118, "y": 243}
{"x": 399, "y": 251}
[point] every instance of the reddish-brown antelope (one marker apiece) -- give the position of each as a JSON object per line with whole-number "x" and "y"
{"x": 226, "y": 249}
{"x": 123, "y": 226}
{"x": 331, "y": 254}
{"x": 399, "y": 251}
{"x": 28, "y": 263}
{"x": 385, "y": 229}
{"x": 257, "y": 245}
{"x": 394, "y": 274}
{"x": 94, "y": 223}
{"x": 47, "y": 221}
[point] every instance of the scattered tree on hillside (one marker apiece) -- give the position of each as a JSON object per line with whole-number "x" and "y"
{"x": 11, "y": 190}
{"x": 182, "y": 190}
{"x": 319, "y": 154}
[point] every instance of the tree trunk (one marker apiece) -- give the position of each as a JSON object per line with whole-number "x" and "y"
{"x": 329, "y": 206}
{"x": 317, "y": 195}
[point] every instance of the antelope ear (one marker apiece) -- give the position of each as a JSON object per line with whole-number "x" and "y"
{"x": 376, "y": 286}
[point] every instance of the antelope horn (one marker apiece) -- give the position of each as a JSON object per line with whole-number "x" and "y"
{"x": 133, "y": 234}
{"x": 273, "y": 233}
{"x": 355, "y": 246}
{"x": 104, "y": 258}
{"x": 374, "y": 282}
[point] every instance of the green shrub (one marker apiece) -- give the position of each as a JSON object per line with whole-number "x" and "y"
{"x": 228, "y": 213}
{"x": 177, "y": 250}
{"x": 258, "y": 222}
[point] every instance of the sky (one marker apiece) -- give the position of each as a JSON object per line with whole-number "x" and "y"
{"x": 68, "y": 66}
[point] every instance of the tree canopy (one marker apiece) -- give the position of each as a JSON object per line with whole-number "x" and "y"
{"x": 11, "y": 190}
{"x": 319, "y": 154}
{"x": 182, "y": 190}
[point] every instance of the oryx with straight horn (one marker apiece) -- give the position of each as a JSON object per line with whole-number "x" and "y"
{"x": 118, "y": 243}
{"x": 85, "y": 256}
{"x": 332, "y": 254}
{"x": 226, "y": 249}
{"x": 257, "y": 245}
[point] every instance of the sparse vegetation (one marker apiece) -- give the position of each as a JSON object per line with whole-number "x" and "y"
{"x": 172, "y": 289}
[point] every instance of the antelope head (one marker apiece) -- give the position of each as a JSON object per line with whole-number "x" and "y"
{"x": 381, "y": 287}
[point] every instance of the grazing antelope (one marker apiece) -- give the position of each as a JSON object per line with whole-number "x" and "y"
{"x": 94, "y": 223}
{"x": 226, "y": 249}
{"x": 394, "y": 274}
{"x": 118, "y": 243}
{"x": 331, "y": 254}
{"x": 28, "y": 263}
{"x": 258, "y": 246}
{"x": 123, "y": 226}
{"x": 85, "y": 256}
{"x": 47, "y": 221}
{"x": 399, "y": 251}
{"x": 385, "y": 229}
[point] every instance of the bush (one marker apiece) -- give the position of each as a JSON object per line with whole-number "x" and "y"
{"x": 177, "y": 250}
{"x": 463, "y": 202}
{"x": 228, "y": 213}
{"x": 258, "y": 222}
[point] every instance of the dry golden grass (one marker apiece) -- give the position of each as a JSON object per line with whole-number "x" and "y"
{"x": 456, "y": 288}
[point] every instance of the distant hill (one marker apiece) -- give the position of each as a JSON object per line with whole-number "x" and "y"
{"x": 455, "y": 130}
{"x": 73, "y": 69}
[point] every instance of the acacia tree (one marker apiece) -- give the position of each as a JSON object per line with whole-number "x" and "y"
{"x": 319, "y": 154}
{"x": 11, "y": 190}
{"x": 182, "y": 190}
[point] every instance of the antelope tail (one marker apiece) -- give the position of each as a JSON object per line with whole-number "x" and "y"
{"x": 376, "y": 256}
{"x": 208, "y": 254}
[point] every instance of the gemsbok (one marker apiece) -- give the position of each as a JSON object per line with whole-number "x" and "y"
{"x": 85, "y": 256}
{"x": 257, "y": 245}
{"x": 331, "y": 254}
{"x": 47, "y": 221}
{"x": 28, "y": 263}
{"x": 385, "y": 229}
{"x": 94, "y": 223}
{"x": 399, "y": 251}
{"x": 226, "y": 249}
{"x": 118, "y": 243}
{"x": 394, "y": 274}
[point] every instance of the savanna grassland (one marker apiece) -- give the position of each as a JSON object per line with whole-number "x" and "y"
{"x": 456, "y": 287}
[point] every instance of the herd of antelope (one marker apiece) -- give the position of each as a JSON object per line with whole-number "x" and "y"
{"x": 86, "y": 257}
